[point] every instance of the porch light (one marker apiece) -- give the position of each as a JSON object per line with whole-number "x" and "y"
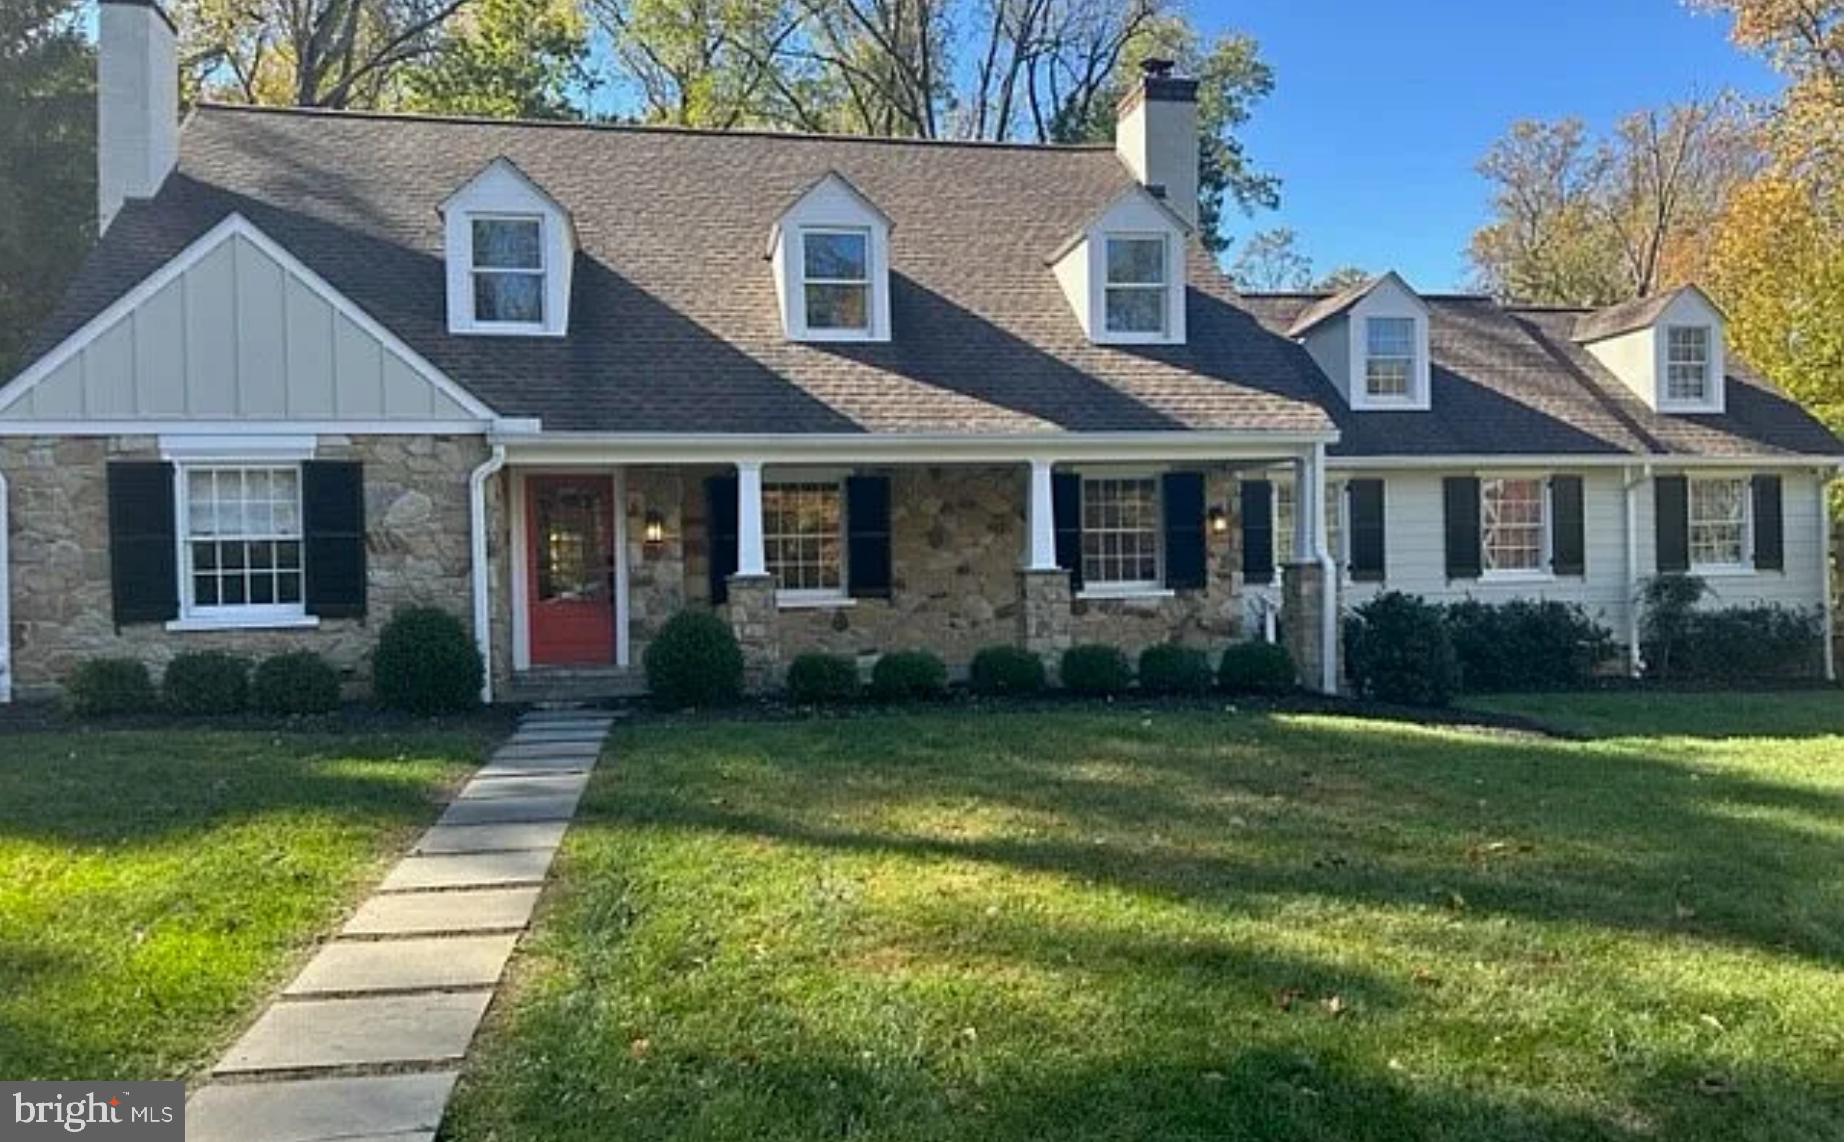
{"x": 1216, "y": 520}
{"x": 653, "y": 526}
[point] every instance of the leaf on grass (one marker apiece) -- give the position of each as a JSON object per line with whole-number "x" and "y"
{"x": 638, "y": 1049}
{"x": 1715, "y": 1086}
{"x": 1286, "y": 998}
{"x": 1335, "y": 1006}
{"x": 1425, "y": 977}
{"x": 1712, "y": 1021}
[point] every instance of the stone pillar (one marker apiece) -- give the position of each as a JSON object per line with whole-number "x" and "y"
{"x": 1046, "y": 613}
{"x": 1302, "y": 621}
{"x": 751, "y": 607}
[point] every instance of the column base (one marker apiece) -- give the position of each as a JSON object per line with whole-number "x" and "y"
{"x": 1301, "y": 623}
{"x": 1046, "y": 613}
{"x": 750, "y": 605}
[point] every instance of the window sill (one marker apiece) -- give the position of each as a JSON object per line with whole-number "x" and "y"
{"x": 1517, "y": 577}
{"x": 786, "y": 602}
{"x": 1723, "y": 570}
{"x": 252, "y": 622}
{"x": 1094, "y": 594}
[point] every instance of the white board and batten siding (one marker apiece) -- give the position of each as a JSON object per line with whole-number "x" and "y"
{"x": 236, "y": 334}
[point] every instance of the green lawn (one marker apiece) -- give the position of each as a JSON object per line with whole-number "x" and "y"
{"x": 155, "y": 886}
{"x": 1192, "y": 925}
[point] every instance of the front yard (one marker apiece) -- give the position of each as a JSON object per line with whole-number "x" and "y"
{"x": 155, "y": 885}
{"x": 1126, "y": 925}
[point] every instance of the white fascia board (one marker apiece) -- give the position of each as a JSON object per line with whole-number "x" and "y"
{"x": 244, "y": 428}
{"x": 237, "y": 446}
{"x": 232, "y": 225}
{"x": 1596, "y": 460}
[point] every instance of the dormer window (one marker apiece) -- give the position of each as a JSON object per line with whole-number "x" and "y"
{"x": 1668, "y": 348}
{"x": 1687, "y": 363}
{"x": 1136, "y": 284}
{"x": 509, "y": 270}
{"x": 836, "y": 280}
{"x": 1392, "y": 356}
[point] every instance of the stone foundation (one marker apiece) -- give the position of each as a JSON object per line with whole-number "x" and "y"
{"x": 1046, "y": 614}
{"x": 751, "y": 607}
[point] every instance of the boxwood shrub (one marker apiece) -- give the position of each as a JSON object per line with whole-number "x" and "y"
{"x": 903, "y": 675}
{"x": 299, "y": 682}
{"x": 1684, "y": 642}
{"x": 694, "y": 661}
{"x": 206, "y": 682}
{"x": 100, "y": 687}
{"x": 425, "y": 663}
{"x": 1257, "y": 668}
{"x": 1399, "y": 650}
{"x": 815, "y": 677}
{"x": 1169, "y": 668}
{"x": 1005, "y": 669}
{"x": 1526, "y": 644}
{"x": 1094, "y": 668}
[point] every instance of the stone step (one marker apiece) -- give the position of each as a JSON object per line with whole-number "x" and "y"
{"x": 582, "y": 750}
{"x": 469, "y": 870}
{"x": 350, "y": 967}
{"x": 375, "y": 1030}
{"x": 521, "y": 766}
{"x": 321, "y": 1110}
{"x": 508, "y": 810}
{"x": 525, "y": 785}
{"x": 459, "y": 839}
{"x": 428, "y": 913}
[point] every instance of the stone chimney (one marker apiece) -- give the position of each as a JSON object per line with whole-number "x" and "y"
{"x": 1157, "y": 136}
{"x": 137, "y": 103}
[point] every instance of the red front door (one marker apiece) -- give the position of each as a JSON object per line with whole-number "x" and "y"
{"x": 571, "y": 569}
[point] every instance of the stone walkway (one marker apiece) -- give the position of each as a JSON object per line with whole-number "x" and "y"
{"x": 365, "y": 1045}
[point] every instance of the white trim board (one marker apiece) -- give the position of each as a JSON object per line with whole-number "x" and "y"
{"x": 1551, "y": 462}
{"x": 604, "y": 449}
{"x": 234, "y": 226}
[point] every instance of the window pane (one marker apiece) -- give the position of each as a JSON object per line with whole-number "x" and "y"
{"x": 1716, "y": 522}
{"x": 1122, "y": 546}
{"x": 1389, "y": 336}
{"x": 802, "y": 536}
{"x": 233, "y": 514}
{"x": 205, "y": 590}
{"x": 1389, "y": 377}
{"x": 1133, "y": 310}
{"x": 1135, "y": 261}
{"x": 289, "y": 587}
{"x": 510, "y": 297}
{"x": 835, "y": 306}
{"x": 1513, "y": 524}
{"x": 834, "y": 257}
{"x": 507, "y": 243}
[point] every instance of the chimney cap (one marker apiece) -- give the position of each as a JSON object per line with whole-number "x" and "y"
{"x": 1155, "y": 67}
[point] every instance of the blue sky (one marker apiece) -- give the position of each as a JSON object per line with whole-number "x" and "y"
{"x": 1382, "y": 110}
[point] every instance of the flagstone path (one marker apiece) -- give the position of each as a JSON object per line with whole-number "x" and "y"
{"x": 365, "y": 1045}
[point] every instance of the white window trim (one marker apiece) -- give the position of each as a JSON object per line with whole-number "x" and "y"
{"x": 263, "y": 616}
{"x": 813, "y": 598}
{"x": 1165, "y": 288}
{"x": 1156, "y": 588}
{"x": 478, "y": 324}
{"x": 803, "y": 281}
{"x": 1745, "y": 565}
{"x": 1540, "y": 574}
{"x": 1410, "y": 395}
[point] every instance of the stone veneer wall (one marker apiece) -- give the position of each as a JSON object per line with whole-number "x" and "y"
{"x": 417, "y": 524}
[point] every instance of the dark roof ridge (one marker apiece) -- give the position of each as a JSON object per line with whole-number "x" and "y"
{"x": 642, "y": 128}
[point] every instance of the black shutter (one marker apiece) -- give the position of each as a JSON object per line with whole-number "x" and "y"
{"x": 1254, "y": 511}
{"x": 869, "y": 537}
{"x": 1068, "y": 524}
{"x": 1671, "y": 523}
{"x": 1183, "y": 525}
{"x": 721, "y": 534}
{"x": 143, "y": 572}
{"x": 1462, "y": 527}
{"x": 1367, "y": 531}
{"x": 1568, "y": 525}
{"x": 1768, "y": 522}
{"x": 334, "y": 538}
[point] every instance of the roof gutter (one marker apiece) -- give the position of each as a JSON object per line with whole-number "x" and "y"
{"x": 1595, "y": 460}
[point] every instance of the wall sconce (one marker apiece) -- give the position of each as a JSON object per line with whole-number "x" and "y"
{"x": 653, "y": 527}
{"x": 1217, "y": 521}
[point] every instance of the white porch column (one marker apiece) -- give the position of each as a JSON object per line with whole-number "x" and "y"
{"x": 750, "y": 517}
{"x": 1042, "y": 550}
{"x": 1308, "y": 510}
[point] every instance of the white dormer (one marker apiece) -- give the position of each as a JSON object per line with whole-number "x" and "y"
{"x": 1373, "y": 342}
{"x": 830, "y": 253}
{"x": 508, "y": 247}
{"x": 1668, "y": 348}
{"x": 1125, "y": 273}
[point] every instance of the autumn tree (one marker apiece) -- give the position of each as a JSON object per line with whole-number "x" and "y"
{"x": 505, "y": 58}
{"x": 1269, "y": 261}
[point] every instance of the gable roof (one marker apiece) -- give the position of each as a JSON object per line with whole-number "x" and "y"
{"x": 1628, "y": 316}
{"x": 1338, "y": 303}
{"x": 674, "y": 324}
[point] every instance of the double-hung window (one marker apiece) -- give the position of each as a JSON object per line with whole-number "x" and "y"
{"x": 1136, "y": 285}
{"x": 1283, "y": 533}
{"x": 1514, "y": 525}
{"x": 1391, "y": 356}
{"x": 1688, "y": 352}
{"x": 1122, "y": 533}
{"x": 243, "y": 541}
{"x": 804, "y": 539}
{"x": 837, "y": 283}
{"x": 508, "y": 269}
{"x": 1719, "y": 523}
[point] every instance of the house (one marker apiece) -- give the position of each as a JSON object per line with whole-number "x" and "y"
{"x": 858, "y": 394}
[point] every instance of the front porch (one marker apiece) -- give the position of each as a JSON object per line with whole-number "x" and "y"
{"x": 858, "y": 555}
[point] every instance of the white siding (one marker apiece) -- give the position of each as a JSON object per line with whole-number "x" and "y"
{"x": 1799, "y": 584}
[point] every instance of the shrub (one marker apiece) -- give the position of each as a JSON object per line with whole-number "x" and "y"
{"x": 425, "y": 663}
{"x": 1169, "y": 668}
{"x": 1526, "y": 645}
{"x": 1683, "y": 643}
{"x": 301, "y": 682}
{"x": 1399, "y": 650}
{"x": 815, "y": 677}
{"x": 1257, "y": 668}
{"x": 1094, "y": 668}
{"x": 1006, "y": 669}
{"x": 104, "y": 686}
{"x": 206, "y": 682}
{"x": 909, "y": 674}
{"x": 694, "y": 661}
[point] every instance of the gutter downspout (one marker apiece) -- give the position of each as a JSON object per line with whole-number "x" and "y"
{"x": 6, "y": 600}
{"x": 1633, "y": 634}
{"x": 1825, "y": 536}
{"x": 1318, "y": 531}
{"x": 478, "y": 562}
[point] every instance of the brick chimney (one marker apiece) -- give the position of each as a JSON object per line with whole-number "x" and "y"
{"x": 1157, "y": 136}
{"x": 137, "y": 103}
